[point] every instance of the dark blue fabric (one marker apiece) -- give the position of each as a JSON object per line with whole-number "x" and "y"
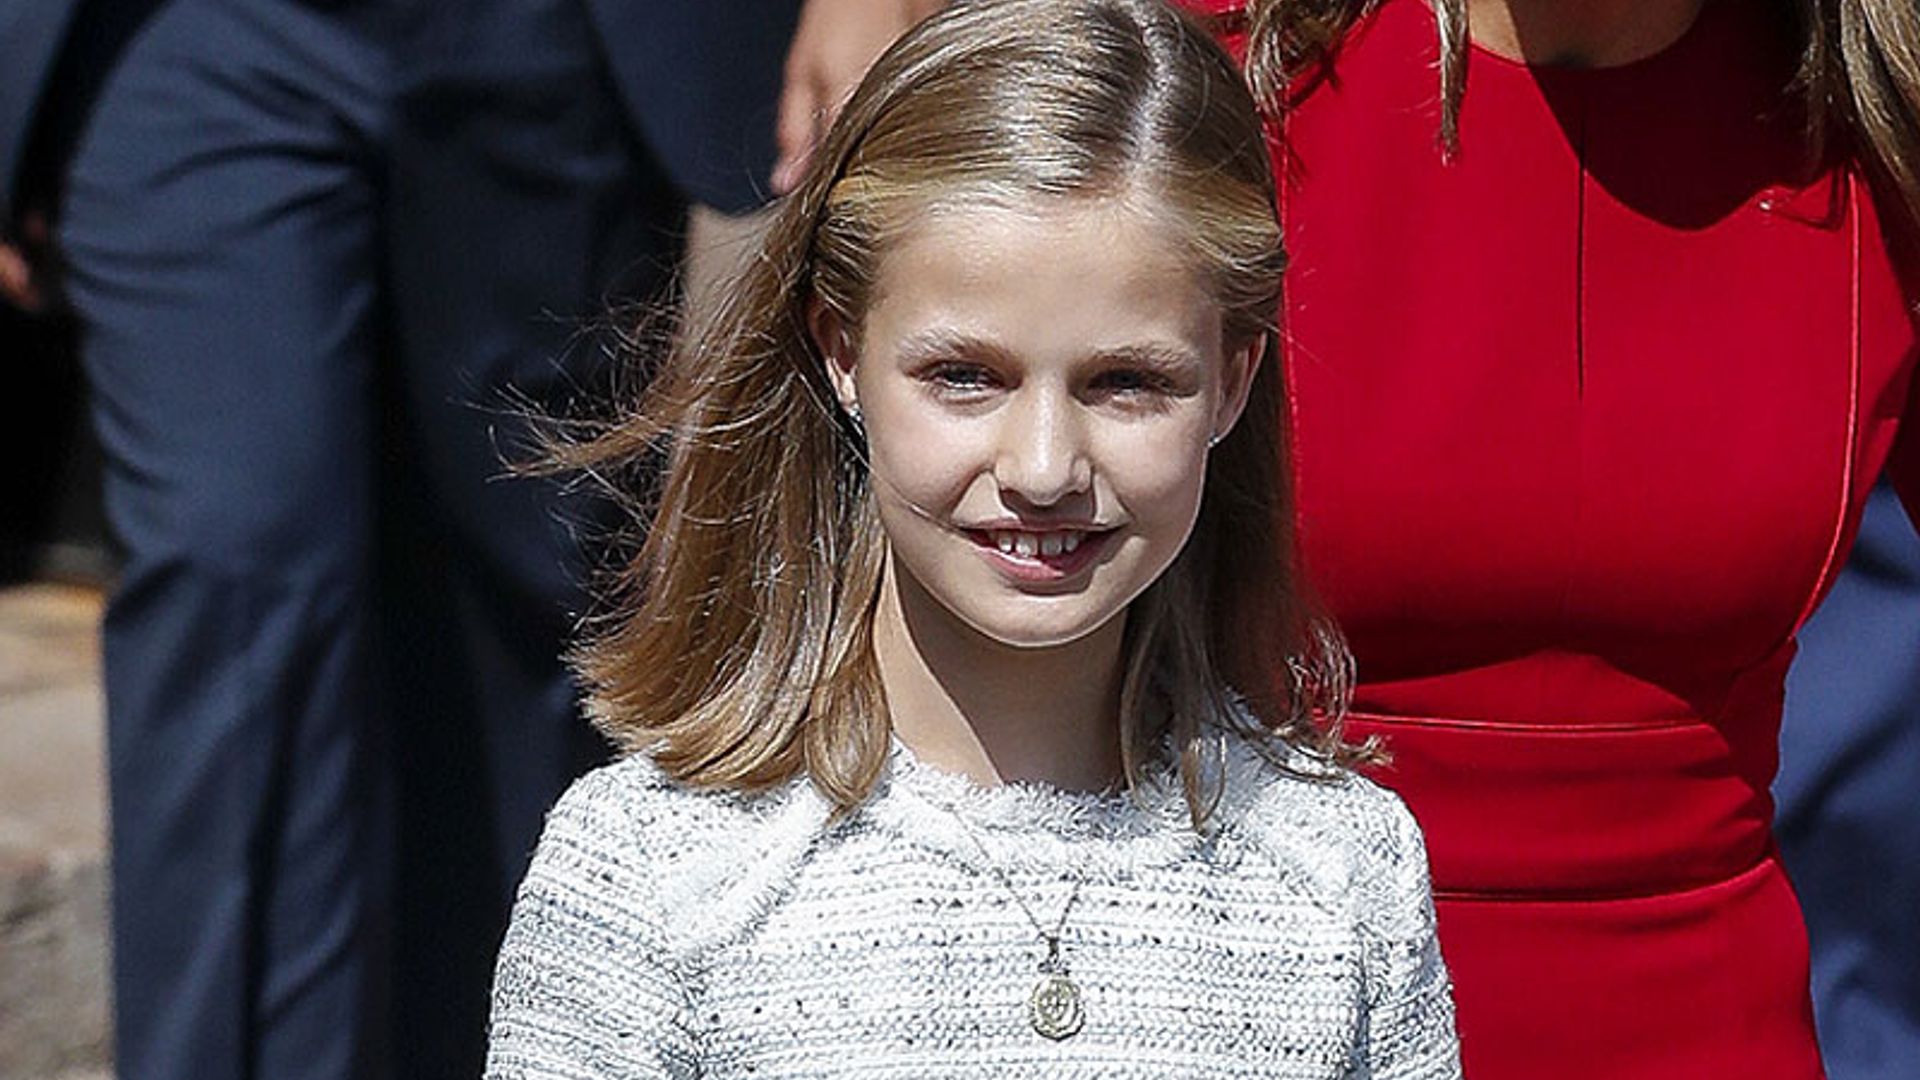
{"x": 31, "y": 33}
{"x": 324, "y": 256}
{"x": 222, "y": 227}
{"x": 1848, "y": 800}
{"x": 680, "y": 64}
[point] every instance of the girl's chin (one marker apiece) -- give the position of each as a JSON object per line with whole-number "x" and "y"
{"x": 1029, "y": 634}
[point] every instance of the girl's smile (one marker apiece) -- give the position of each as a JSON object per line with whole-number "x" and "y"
{"x": 1038, "y": 555}
{"x": 1039, "y": 384}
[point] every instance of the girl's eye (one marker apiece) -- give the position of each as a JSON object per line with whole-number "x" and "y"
{"x": 1131, "y": 383}
{"x": 960, "y": 378}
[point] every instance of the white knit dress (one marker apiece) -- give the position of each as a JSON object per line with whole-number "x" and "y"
{"x": 663, "y": 932}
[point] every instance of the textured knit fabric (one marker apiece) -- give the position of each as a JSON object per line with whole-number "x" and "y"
{"x": 664, "y": 932}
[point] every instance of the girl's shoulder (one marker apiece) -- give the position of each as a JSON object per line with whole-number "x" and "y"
{"x": 1273, "y": 783}
{"x": 700, "y": 860}
{"x": 1349, "y": 839}
{"x": 634, "y": 806}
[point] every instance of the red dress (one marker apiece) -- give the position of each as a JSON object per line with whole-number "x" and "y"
{"x": 1584, "y": 421}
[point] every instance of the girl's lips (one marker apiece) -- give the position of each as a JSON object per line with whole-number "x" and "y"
{"x": 1041, "y": 557}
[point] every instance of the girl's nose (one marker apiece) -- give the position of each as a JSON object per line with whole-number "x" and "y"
{"x": 1042, "y": 457}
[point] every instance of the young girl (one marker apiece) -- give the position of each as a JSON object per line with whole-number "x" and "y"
{"x": 945, "y": 674}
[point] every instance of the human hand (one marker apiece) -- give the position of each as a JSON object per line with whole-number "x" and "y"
{"x": 833, "y": 45}
{"x": 26, "y": 262}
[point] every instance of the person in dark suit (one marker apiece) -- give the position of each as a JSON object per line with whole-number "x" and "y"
{"x": 1848, "y": 821}
{"x": 324, "y": 257}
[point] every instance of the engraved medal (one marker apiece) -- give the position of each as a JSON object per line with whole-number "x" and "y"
{"x": 1054, "y": 1007}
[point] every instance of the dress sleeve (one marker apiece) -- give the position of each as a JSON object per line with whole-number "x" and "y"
{"x": 1409, "y": 1032}
{"x": 585, "y": 989}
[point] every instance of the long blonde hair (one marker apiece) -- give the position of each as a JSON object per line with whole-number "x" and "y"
{"x": 1859, "y": 72}
{"x": 739, "y": 651}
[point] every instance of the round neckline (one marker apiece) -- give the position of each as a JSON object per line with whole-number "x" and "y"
{"x": 1667, "y": 54}
{"x": 1032, "y": 827}
{"x": 997, "y": 802}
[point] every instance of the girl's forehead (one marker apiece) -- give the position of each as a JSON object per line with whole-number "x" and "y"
{"x": 1051, "y": 278}
{"x": 1126, "y": 208}
{"x": 982, "y": 242}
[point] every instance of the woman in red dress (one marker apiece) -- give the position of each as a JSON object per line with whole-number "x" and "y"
{"x": 1593, "y": 369}
{"x": 1594, "y": 361}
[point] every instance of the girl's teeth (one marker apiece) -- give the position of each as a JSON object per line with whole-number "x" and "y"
{"x": 1028, "y": 545}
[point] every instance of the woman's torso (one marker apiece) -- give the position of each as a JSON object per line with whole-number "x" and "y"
{"x": 1583, "y": 421}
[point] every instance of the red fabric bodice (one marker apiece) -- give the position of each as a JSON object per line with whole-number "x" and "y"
{"x": 1583, "y": 422}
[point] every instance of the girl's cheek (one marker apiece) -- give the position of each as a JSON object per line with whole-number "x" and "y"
{"x": 928, "y": 467}
{"x": 1156, "y": 466}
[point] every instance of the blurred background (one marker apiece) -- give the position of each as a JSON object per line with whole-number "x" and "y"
{"x": 281, "y": 283}
{"x": 55, "y": 564}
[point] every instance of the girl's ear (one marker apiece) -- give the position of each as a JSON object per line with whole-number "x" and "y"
{"x": 830, "y": 336}
{"x": 1241, "y": 364}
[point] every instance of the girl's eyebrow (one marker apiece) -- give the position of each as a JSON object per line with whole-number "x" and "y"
{"x": 1153, "y": 355}
{"x": 945, "y": 344}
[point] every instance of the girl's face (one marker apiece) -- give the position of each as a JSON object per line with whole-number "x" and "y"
{"x": 1040, "y": 388}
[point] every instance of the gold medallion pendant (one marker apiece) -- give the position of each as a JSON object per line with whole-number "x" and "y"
{"x": 1054, "y": 1007}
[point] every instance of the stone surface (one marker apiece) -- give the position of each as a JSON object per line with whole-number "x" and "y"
{"x": 53, "y": 953}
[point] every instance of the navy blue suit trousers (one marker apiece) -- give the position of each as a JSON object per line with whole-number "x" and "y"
{"x": 326, "y": 256}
